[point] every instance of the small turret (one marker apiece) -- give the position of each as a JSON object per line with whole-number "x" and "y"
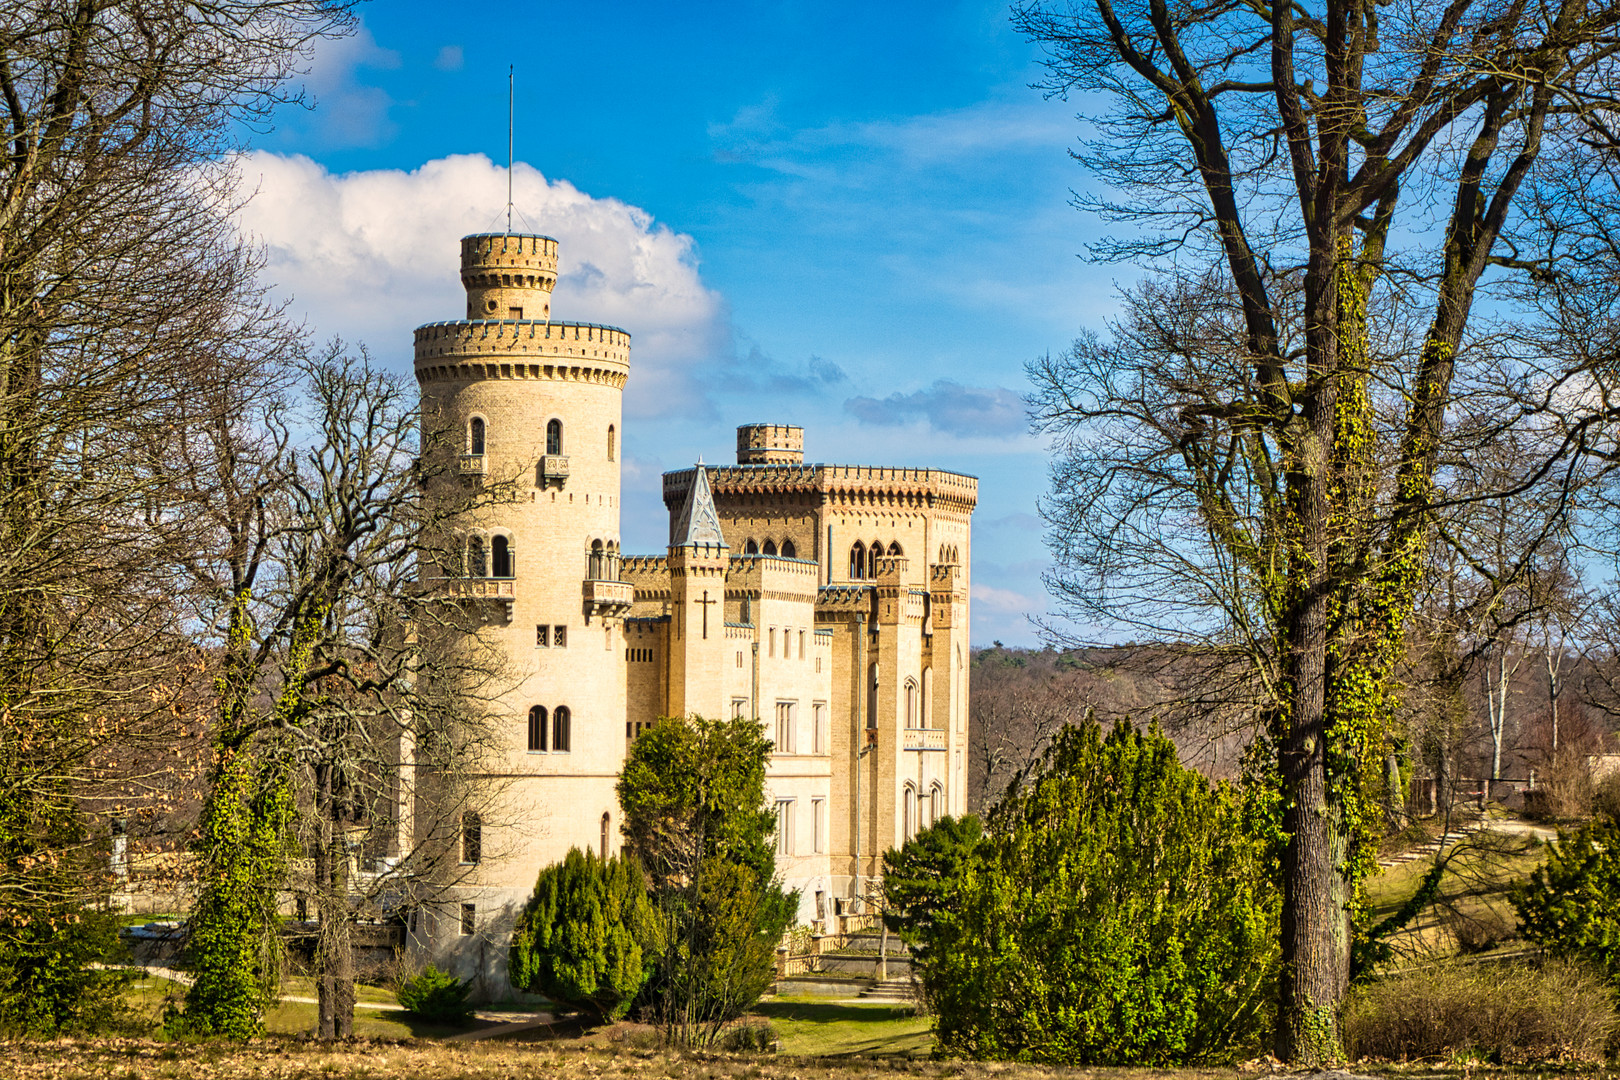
{"x": 770, "y": 444}
{"x": 508, "y": 275}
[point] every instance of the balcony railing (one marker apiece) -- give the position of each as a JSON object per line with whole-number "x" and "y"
{"x": 610, "y": 598}
{"x": 472, "y": 464}
{"x": 925, "y": 739}
{"x": 502, "y": 591}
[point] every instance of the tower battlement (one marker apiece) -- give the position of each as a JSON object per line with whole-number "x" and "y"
{"x": 508, "y": 275}
{"x": 770, "y": 444}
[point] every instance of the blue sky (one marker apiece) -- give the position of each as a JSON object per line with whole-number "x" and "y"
{"x": 853, "y": 217}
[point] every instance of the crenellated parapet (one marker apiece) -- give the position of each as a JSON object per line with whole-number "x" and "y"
{"x": 522, "y": 349}
{"x": 873, "y": 486}
{"x": 508, "y": 275}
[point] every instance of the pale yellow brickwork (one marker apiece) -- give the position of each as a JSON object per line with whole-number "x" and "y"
{"x": 758, "y": 608}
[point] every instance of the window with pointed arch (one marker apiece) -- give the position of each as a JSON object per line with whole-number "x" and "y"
{"x": 554, "y": 442}
{"x": 613, "y": 447}
{"x": 500, "y": 550}
{"x": 909, "y": 813}
{"x": 475, "y": 435}
{"x": 537, "y": 729}
{"x": 477, "y": 561}
{"x": 936, "y": 803}
{"x": 894, "y": 550}
{"x": 911, "y": 703}
{"x": 788, "y": 550}
{"x": 472, "y": 839}
{"x": 857, "y": 561}
{"x": 769, "y": 548}
{"x": 561, "y": 735}
{"x": 873, "y": 554}
{"x": 752, "y": 547}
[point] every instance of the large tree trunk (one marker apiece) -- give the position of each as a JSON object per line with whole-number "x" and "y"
{"x": 334, "y": 951}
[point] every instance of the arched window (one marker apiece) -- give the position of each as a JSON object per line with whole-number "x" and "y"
{"x": 612, "y": 439}
{"x": 560, "y": 723}
{"x": 936, "y": 803}
{"x": 751, "y": 548}
{"x": 770, "y": 547}
{"x": 594, "y": 564}
{"x": 537, "y": 728}
{"x": 477, "y": 564}
{"x": 788, "y": 550}
{"x": 909, "y": 821}
{"x": 501, "y": 552}
{"x": 873, "y": 554}
{"x": 472, "y": 838}
{"x": 613, "y": 560}
{"x": 606, "y": 820}
{"x": 475, "y": 435}
{"x": 894, "y": 551}
{"x": 911, "y": 703}
{"x": 857, "y": 561}
{"x": 554, "y": 437}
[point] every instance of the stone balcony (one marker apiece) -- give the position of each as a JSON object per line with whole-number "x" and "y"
{"x": 553, "y": 467}
{"x": 472, "y": 465}
{"x": 924, "y": 739}
{"x": 501, "y": 591}
{"x": 608, "y": 599}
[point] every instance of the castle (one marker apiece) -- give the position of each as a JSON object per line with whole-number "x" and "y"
{"x": 830, "y": 602}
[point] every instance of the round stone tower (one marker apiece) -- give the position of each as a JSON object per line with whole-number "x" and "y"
{"x": 536, "y": 405}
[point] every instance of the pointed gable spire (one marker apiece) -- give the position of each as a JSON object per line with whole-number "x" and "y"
{"x": 699, "y": 522}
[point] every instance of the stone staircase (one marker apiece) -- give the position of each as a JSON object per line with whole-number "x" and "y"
{"x": 889, "y": 990}
{"x": 1429, "y": 849}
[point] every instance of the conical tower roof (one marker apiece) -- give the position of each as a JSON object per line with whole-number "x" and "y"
{"x": 699, "y": 522}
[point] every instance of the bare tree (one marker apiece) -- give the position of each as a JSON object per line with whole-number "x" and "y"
{"x": 1257, "y": 455}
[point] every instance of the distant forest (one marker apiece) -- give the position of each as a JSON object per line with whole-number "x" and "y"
{"x": 1020, "y": 697}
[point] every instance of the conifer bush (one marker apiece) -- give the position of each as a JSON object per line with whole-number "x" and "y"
{"x": 585, "y": 937}
{"x": 1116, "y": 912}
{"x": 1571, "y": 905}
{"x": 435, "y": 996}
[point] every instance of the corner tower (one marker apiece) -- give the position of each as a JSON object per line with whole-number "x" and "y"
{"x": 536, "y": 406}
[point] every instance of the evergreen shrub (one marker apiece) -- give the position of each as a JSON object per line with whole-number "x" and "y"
{"x": 1115, "y": 912}
{"x": 584, "y": 938}
{"x": 435, "y": 996}
{"x": 1570, "y": 906}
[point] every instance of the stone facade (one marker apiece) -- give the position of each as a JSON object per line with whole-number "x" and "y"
{"x": 830, "y": 602}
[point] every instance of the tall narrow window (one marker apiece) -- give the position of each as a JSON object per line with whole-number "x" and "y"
{"x": 554, "y": 437}
{"x": 501, "y": 555}
{"x": 911, "y": 703}
{"x": 477, "y": 565}
{"x": 909, "y": 819}
{"x": 784, "y": 826}
{"x": 818, "y": 825}
{"x": 857, "y": 561}
{"x": 769, "y": 548}
{"x": 594, "y": 564}
{"x": 612, "y": 443}
{"x": 801, "y": 644}
{"x": 818, "y": 728}
{"x": 927, "y": 710}
{"x": 475, "y": 435}
{"x": 788, "y": 550}
{"x": 561, "y": 721}
{"x": 472, "y": 838}
{"x": 936, "y": 803}
{"x": 786, "y": 720}
{"x": 606, "y": 821}
{"x": 469, "y": 919}
{"x": 873, "y": 554}
{"x": 537, "y": 728}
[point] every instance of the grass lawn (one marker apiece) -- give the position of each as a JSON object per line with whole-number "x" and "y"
{"x": 819, "y": 1028}
{"x": 1472, "y": 913}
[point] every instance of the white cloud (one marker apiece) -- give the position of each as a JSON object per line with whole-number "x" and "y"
{"x": 371, "y": 255}
{"x": 988, "y": 598}
{"x": 450, "y": 58}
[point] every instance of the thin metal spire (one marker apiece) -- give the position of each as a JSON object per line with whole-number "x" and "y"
{"x": 510, "y": 80}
